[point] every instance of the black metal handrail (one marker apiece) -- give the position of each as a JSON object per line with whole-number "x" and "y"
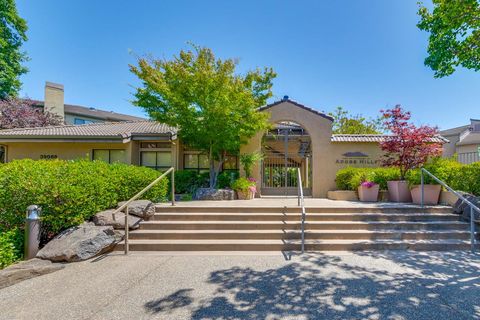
{"x": 460, "y": 196}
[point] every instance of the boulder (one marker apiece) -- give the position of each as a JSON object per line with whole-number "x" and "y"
{"x": 140, "y": 208}
{"x": 80, "y": 243}
{"x": 463, "y": 208}
{"x": 213, "y": 194}
{"x": 105, "y": 218}
{"x": 25, "y": 270}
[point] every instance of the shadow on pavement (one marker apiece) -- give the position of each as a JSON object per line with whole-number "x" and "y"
{"x": 317, "y": 286}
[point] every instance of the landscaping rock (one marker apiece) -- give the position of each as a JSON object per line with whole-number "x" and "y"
{"x": 463, "y": 208}
{"x": 105, "y": 218}
{"x": 213, "y": 194}
{"x": 25, "y": 270}
{"x": 80, "y": 243}
{"x": 140, "y": 208}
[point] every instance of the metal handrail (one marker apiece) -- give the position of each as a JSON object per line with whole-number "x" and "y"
{"x": 472, "y": 206}
{"x": 301, "y": 203}
{"x": 138, "y": 195}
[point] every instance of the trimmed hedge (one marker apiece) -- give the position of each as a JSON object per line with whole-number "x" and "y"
{"x": 458, "y": 176}
{"x": 69, "y": 192}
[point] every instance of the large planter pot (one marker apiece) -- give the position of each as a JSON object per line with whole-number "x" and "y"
{"x": 368, "y": 194}
{"x": 430, "y": 196}
{"x": 245, "y": 195}
{"x": 398, "y": 191}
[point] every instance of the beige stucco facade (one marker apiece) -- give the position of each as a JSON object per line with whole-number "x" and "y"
{"x": 327, "y": 153}
{"x": 327, "y": 156}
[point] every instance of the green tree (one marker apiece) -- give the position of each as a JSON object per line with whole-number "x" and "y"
{"x": 454, "y": 27}
{"x": 12, "y": 34}
{"x": 346, "y": 123}
{"x": 213, "y": 107}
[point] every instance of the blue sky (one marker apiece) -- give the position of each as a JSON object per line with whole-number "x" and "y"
{"x": 364, "y": 55}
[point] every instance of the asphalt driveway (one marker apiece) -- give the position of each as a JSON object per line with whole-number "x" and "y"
{"x": 374, "y": 285}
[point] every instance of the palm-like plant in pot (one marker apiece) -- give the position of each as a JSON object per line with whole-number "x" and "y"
{"x": 408, "y": 147}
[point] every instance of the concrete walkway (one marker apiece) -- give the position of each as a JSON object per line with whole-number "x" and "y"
{"x": 379, "y": 285}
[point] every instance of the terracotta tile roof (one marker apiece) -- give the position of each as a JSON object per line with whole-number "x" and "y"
{"x": 119, "y": 130}
{"x": 372, "y": 138}
{"x": 94, "y": 113}
{"x": 321, "y": 114}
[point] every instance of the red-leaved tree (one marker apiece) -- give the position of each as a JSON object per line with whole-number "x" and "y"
{"x": 408, "y": 146}
{"x": 22, "y": 113}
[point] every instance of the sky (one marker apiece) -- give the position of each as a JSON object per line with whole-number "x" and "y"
{"x": 363, "y": 55}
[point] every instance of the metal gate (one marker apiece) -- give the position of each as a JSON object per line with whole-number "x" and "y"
{"x": 285, "y": 151}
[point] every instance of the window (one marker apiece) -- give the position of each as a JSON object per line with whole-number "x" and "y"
{"x": 156, "y": 159}
{"x": 81, "y": 121}
{"x": 196, "y": 161}
{"x": 230, "y": 163}
{"x": 2, "y": 154}
{"x": 110, "y": 156}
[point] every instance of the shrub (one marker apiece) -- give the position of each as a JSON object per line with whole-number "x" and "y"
{"x": 226, "y": 179}
{"x": 69, "y": 192}
{"x": 186, "y": 181}
{"x": 11, "y": 247}
{"x": 350, "y": 178}
{"x": 243, "y": 184}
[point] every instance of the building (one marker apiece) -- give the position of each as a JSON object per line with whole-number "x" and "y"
{"x": 464, "y": 142}
{"x": 301, "y": 138}
{"x": 73, "y": 114}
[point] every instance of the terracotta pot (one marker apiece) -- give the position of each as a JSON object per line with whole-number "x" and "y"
{"x": 368, "y": 194}
{"x": 430, "y": 196}
{"x": 398, "y": 191}
{"x": 244, "y": 195}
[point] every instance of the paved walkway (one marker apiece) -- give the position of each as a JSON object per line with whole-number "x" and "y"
{"x": 394, "y": 285}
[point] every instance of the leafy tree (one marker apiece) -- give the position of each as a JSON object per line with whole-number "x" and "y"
{"x": 346, "y": 123}
{"x": 22, "y": 113}
{"x": 409, "y": 146}
{"x": 12, "y": 34}
{"x": 454, "y": 27}
{"x": 213, "y": 107}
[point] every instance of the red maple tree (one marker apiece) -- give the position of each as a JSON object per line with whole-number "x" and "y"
{"x": 408, "y": 146}
{"x": 22, "y": 113}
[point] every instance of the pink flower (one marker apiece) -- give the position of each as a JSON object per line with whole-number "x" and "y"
{"x": 252, "y": 189}
{"x": 368, "y": 184}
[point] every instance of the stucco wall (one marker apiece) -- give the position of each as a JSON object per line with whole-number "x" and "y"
{"x": 327, "y": 157}
{"x": 63, "y": 150}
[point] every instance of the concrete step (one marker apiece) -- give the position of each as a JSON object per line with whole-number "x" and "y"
{"x": 260, "y": 210}
{"x": 289, "y": 245}
{"x": 222, "y": 216}
{"x": 295, "y": 234}
{"x": 295, "y": 225}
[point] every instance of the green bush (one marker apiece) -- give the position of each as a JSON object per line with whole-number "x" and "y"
{"x": 242, "y": 184}
{"x": 226, "y": 179}
{"x": 69, "y": 192}
{"x": 350, "y": 178}
{"x": 11, "y": 247}
{"x": 458, "y": 176}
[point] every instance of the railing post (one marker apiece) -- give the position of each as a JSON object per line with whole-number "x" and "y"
{"x": 422, "y": 182}
{"x": 173, "y": 186}
{"x": 472, "y": 229}
{"x": 126, "y": 231}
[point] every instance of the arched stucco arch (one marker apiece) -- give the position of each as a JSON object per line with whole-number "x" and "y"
{"x": 318, "y": 125}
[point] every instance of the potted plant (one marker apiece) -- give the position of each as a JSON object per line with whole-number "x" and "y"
{"x": 245, "y": 188}
{"x": 431, "y": 190}
{"x": 368, "y": 191}
{"x": 248, "y": 160}
{"x": 407, "y": 147}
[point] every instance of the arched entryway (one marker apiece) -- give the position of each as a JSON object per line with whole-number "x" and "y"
{"x": 286, "y": 148}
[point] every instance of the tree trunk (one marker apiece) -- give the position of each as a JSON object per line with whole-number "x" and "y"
{"x": 214, "y": 171}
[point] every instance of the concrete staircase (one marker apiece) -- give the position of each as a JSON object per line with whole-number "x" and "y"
{"x": 224, "y": 228}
